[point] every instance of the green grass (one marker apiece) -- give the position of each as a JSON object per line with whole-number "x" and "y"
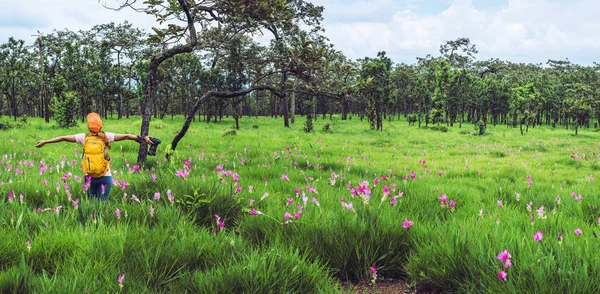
{"x": 180, "y": 248}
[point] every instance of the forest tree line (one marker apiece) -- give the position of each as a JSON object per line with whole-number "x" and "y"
{"x": 64, "y": 74}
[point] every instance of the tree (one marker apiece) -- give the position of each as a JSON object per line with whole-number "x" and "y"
{"x": 14, "y": 65}
{"x": 374, "y": 85}
{"x": 525, "y": 103}
{"x": 578, "y": 104}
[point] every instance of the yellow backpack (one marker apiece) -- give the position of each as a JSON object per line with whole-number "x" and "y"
{"x": 96, "y": 160}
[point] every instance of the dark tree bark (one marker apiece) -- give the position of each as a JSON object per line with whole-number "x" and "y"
{"x": 151, "y": 89}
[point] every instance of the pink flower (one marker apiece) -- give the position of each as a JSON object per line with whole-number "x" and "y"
{"x": 220, "y": 222}
{"x": 238, "y": 189}
{"x": 373, "y": 273}
{"x": 153, "y": 177}
{"x": 11, "y": 194}
{"x": 507, "y": 263}
{"x": 121, "y": 278}
{"x": 348, "y": 206}
{"x": 157, "y": 196}
{"x": 314, "y": 200}
{"x": 412, "y": 175}
{"x": 236, "y": 178}
{"x": 250, "y": 188}
{"x": 170, "y": 196}
{"x": 443, "y": 199}
{"x": 375, "y": 181}
{"x": 452, "y": 204}
{"x": 500, "y": 203}
{"x": 394, "y": 201}
{"x": 440, "y": 173}
{"x": 287, "y": 215}
{"x": 578, "y": 231}
{"x": 284, "y": 177}
{"x": 504, "y": 255}
{"x": 502, "y": 275}
{"x": 297, "y": 215}
{"x": 373, "y": 270}
{"x": 264, "y": 196}
{"x": 75, "y": 203}
{"x": 537, "y": 236}
{"x": 407, "y": 223}
{"x": 219, "y": 167}
{"x": 29, "y": 245}
{"x": 560, "y": 236}
{"x": 254, "y": 212}
{"x": 151, "y": 210}
{"x": 182, "y": 173}
{"x": 118, "y": 212}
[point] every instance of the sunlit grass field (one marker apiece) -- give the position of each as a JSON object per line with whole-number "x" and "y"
{"x": 275, "y": 210}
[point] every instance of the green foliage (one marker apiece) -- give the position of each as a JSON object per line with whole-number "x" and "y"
{"x": 308, "y": 124}
{"x": 230, "y": 133}
{"x": 327, "y": 128}
{"x": 4, "y": 125}
{"x": 442, "y": 129}
{"x": 65, "y": 109}
{"x": 481, "y": 128}
{"x": 181, "y": 247}
{"x": 64, "y": 103}
{"x": 276, "y": 270}
{"x": 412, "y": 119}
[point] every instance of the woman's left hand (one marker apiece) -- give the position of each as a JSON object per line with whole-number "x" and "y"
{"x": 148, "y": 141}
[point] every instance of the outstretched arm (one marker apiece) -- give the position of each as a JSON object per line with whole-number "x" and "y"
{"x": 55, "y": 140}
{"x": 121, "y": 137}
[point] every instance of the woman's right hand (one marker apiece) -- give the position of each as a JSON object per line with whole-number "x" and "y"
{"x": 39, "y": 144}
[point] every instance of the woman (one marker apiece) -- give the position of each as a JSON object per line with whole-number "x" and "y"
{"x": 95, "y": 159}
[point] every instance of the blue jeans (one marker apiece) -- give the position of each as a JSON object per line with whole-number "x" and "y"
{"x": 100, "y": 188}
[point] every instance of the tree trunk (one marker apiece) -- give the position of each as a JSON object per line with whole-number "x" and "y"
{"x": 120, "y": 105}
{"x": 286, "y": 122}
{"x": 521, "y": 127}
{"x": 293, "y": 106}
{"x": 344, "y": 108}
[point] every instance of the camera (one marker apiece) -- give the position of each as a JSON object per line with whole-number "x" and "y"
{"x": 155, "y": 143}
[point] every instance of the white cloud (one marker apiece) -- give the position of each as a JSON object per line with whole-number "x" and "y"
{"x": 524, "y": 31}
{"x": 28, "y": 17}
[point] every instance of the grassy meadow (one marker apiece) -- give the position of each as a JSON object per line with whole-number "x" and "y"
{"x": 302, "y": 213}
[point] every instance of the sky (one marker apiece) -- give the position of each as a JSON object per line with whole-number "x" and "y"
{"x": 531, "y": 31}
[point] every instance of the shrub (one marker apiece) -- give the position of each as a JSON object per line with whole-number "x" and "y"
{"x": 308, "y": 125}
{"x": 230, "y": 133}
{"x": 275, "y": 270}
{"x": 482, "y": 128}
{"x": 64, "y": 107}
{"x": 442, "y": 129}
{"x": 327, "y": 128}
{"x": 412, "y": 119}
{"x": 4, "y": 125}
